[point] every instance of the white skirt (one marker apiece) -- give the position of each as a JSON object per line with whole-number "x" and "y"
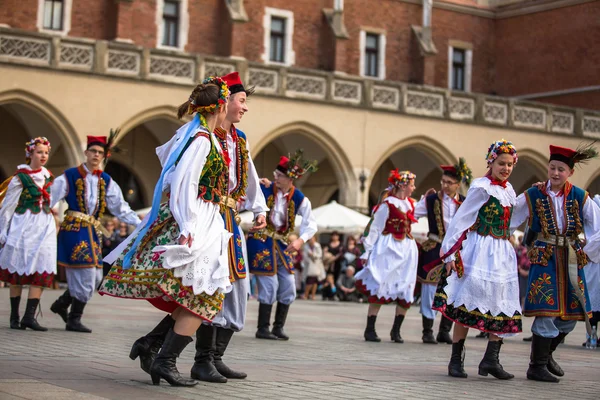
{"x": 30, "y": 244}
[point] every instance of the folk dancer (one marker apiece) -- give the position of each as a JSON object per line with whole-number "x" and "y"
{"x": 439, "y": 208}
{"x": 90, "y": 193}
{"x": 177, "y": 258}
{"x": 269, "y": 249}
{"x": 28, "y": 233}
{"x": 483, "y": 293}
{"x": 391, "y": 252}
{"x": 558, "y": 213}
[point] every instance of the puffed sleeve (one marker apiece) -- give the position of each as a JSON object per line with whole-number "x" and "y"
{"x": 591, "y": 227}
{"x": 308, "y": 227}
{"x": 58, "y": 190}
{"x": 520, "y": 212}
{"x": 118, "y": 206}
{"x": 465, "y": 217}
{"x": 375, "y": 228}
{"x": 9, "y": 205}
{"x": 184, "y": 185}
{"x": 421, "y": 208}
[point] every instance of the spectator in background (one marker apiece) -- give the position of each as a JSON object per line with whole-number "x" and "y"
{"x": 328, "y": 290}
{"x": 108, "y": 241}
{"x": 337, "y": 250}
{"x": 351, "y": 253}
{"x": 297, "y": 260}
{"x": 314, "y": 269}
{"x": 346, "y": 285}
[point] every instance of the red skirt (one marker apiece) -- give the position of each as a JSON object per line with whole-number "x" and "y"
{"x": 42, "y": 280}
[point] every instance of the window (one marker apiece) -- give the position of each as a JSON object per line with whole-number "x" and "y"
{"x": 277, "y": 45}
{"x": 458, "y": 69}
{"x": 171, "y": 23}
{"x": 372, "y": 55}
{"x": 460, "y": 58}
{"x": 53, "y": 14}
{"x": 278, "y": 28}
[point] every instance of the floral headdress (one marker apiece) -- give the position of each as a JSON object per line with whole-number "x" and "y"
{"x": 400, "y": 178}
{"x": 295, "y": 166}
{"x": 461, "y": 172}
{"x": 223, "y": 95}
{"x": 30, "y": 146}
{"x": 501, "y": 147}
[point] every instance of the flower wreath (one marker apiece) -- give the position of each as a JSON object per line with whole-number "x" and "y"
{"x": 400, "y": 178}
{"x": 30, "y": 146}
{"x": 501, "y": 147}
{"x": 223, "y": 96}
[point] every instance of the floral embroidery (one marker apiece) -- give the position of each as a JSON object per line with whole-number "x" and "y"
{"x": 263, "y": 260}
{"x": 439, "y": 219}
{"x": 291, "y": 213}
{"x": 539, "y": 292}
{"x": 81, "y": 252}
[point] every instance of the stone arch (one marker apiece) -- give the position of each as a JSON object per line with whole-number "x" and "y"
{"x": 531, "y": 168}
{"x": 335, "y": 173}
{"x": 593, "y": 184}
{"x": 30, "y": 115}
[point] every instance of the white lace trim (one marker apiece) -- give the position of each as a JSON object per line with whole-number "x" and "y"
{"x": 507, "y": 197}
{"x": 393, "y": 289}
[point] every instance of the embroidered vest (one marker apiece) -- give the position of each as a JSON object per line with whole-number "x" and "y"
{"x": 241, "y": 160}
{"x": 399, "y": 223}
{"x": 77, "y": 193}
{"x": 435, "y": 213}
{"x": 296, "y": 198}
{"x": 33, "y": 197}
{"x": 213, "y": 179}
{"x": 493, "y": 220}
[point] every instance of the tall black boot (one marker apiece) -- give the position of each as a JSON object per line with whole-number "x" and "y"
{"x": 223, "y": 338}
{"x": 74, "y": 321}
{"x": 165, "y": 366}
{"x": 280, "y": 317}
{"x": 428, "y": 331}
{"x": 538, "y": 366}
{"x": 61, "y": 305}
{"x": 370, "y": 333}
{"x": 29, "y": 320}
{"x": 395, "y": 332}
{"x": 147, "y": 347}
{"x": 203, "y": 368}
{"x": 553, "y": 366}
{"x": 443, "y": 335}
{"x": 264, "y": 321}
{"x": 14, "y": 312}
{"x": 491, "y": 362}
{"x": 456, "y": 367}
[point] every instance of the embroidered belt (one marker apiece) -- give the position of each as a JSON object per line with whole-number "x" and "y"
{"x": 276, "y": 235}
{"x": 100, "y": 229}
{"x": 556, "y": 240}
{"x": 435, "y": 238}
{"x": 231, "y": 203}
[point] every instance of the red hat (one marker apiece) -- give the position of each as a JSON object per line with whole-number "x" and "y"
{"x": 234, "y": 82}
{"x": 563, "y": 154}
{"x": 284, "y": 162}
{"x": 96, "y": 141}
{"x": 450, "y": 169}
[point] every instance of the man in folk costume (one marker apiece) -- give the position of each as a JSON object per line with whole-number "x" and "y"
{"x": 439, "y": 208}
{"x": 245, "y": 192}
{"x": 557, "y": 213}
{"x": 269, "y": 249}
{"x": 89, "y": 193}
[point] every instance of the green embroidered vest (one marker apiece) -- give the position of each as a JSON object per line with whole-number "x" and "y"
{"x": 493, "y": 220}
{"x": 33, "y": 197}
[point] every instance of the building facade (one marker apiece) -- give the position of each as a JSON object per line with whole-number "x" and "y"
{"x": 361, "y": 87}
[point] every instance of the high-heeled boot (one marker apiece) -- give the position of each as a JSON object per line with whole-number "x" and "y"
{"x": 491, "y": 362}
{"x": 29, "y": 320}
{"x": 14, "y": 312}
{"x": 370, "y": 333}
{"x": 395, "y": 332}
{"x": 165, "y": 366}
{"x": 147, "y": 347}
{"x": 456, "y": 367}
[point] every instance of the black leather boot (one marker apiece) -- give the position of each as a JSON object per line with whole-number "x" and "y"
{"x": 204, "y": 369}
{"x": 280, "y": 317}
{"x": 456, "y": 367}
{"x": 14, "y": 312}
{"x": 428, "y": 331}
{"x": 165, "y": 366}
{"x": 61, "y": 305}
{"x": 147, "y": 347}
{"x": 264, "y": 321}
{"x": 74, "y": 321}
{"x": 553, "y": 366}
{"x": 395, "y": 332}
{"x": 29, "y": 320}
{"x": 491, "y": 362}
{"x": 443, "y": 335}
{"x": 482, "y": 335}
{"x": 370, "y": 333}
{"x": 221, "y": 343}
{"x": 538, "y": 366}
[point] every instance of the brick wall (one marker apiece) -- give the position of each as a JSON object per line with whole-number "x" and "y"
{"x": 20, "y": 14}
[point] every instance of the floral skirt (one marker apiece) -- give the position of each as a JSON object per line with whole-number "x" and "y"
{"x": 501, "y": 324}
{"x": 148, "y": 280}
{"x": 373, "y": 299}
{"x": 43, "y": 279}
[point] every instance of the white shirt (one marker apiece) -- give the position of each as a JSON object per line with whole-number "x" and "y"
{"x": 449, "y": 207}
{"x": 278, "y": 216}
{"x": 115, "y": 202}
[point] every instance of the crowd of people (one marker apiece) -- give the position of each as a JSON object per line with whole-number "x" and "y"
{"x": 190, "y": 259}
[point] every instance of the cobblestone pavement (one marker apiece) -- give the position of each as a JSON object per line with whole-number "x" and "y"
{"x": 325, "y": 358}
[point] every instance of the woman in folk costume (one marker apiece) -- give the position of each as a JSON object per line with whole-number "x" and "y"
{"x": 558, "y": 213}
{"x": 592, "y": 279}
{"x": 177, "y": 258}
{"x": 392, "y": 255}
{"x": 484, "y": 292}
{"x": 28, "y": 233}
